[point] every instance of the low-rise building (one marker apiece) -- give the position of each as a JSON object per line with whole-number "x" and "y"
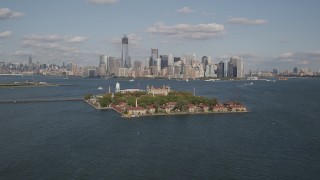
{"x": 171, "y": 104}
{"x": 165, "y": 109}
{"x": 203, "y": 107}
{"x": 158, "y": 91}
{"x": 191, "y": 108}
{"x": 237, "y": 108}
{"x": 219, "y": 108}
{"x": 136, "y": 111}
{"x": 151, "y": 109}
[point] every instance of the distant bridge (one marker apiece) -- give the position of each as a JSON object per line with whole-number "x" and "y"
{"x": 3, "y": 101}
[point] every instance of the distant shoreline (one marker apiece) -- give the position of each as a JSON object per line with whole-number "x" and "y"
{"x": 22, "y": 85}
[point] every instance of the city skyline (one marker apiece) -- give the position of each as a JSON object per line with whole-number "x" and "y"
{"x": 266, "y": 35}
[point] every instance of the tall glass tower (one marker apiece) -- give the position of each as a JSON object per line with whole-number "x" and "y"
{"x": 125, "y": 61}
{"x": 30, "y": 60}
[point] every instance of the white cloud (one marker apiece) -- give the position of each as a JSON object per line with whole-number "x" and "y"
{"x": 102, "y": 1}
{"x": 185, "y": 10}
{"x": 207, "y": 13}
{"x": 309, "y": 59}
{"x": 5, "y": 34}
{"x": 37, "y": 38}
{"x": 246, "y": 21}
{"x": 52, "y": 39}
{"x": 53, "y": 46}
{"x": 287, "y": 55}
{"x": 6, "y": 13}
{"x": 247, "y": 56}
{"x": 189, "y": 31}
{"x": 315, "y": 55}
{"x": 76, "y": 39}
{"x": 21, "y": 53}
{"x": 304, "y": 62}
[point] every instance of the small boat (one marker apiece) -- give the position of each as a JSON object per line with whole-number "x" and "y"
{"x": 131, "y": 80}
{"x": 248, "y": 84}
{"x": 100, "y": 88}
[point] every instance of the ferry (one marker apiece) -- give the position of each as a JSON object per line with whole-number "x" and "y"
{"x": 252, "y": 78}
{"x": 282, "y": 78}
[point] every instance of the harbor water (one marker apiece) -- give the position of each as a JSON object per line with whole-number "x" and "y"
{"x": 278, "y": 139}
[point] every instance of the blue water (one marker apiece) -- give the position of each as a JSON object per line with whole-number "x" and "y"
{"x": 278, "y": 139}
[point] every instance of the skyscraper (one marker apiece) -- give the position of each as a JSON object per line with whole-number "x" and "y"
{"x": 205, "y": 62}
{"x": 30, "y": 64}
{"x": 164, "y": 61}
{"x": 170, "y": 60}
{"x": 113, "y": 66}
{"x": 235, "y": 67}
{"x": 220, "y": 70}
{"x": 153, "y": 61}
{"x": 30, "y": 60}
{"x": 125, "y": 61}
{"x": 102, "y": 66}
{"x": 154, "y": 57}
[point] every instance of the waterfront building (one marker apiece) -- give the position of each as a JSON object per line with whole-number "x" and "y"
{"x": 187, "y": 71}
{"x": 205, "y": 62}
{"x": 225, "y": 71}
{"x": 170, "y": 60}
{"x": 30, "y": 64}
{"x": 188, "y": 58}
{"x": 220, "y": 69}
{"x": 124, "y": 72}
{"x": 170, "y": 71}
{"x": 102, "y": 66}
{"x": 158, "y": 63}
{"x": 235, "y": 67}
{"x": 275, "y": 72}
{"x": 158, "y": 91}
{"x": 30, "y": 61}
{"x": 219, "y": 108}
{"x": 113, "y": 66}
{"x": 153, "y": 61}
{"x": 137, "y": 69}
{"x": 92, "y": 73}
{"x": 176, "y": 59}
{"x": 211, "y": 70}
{"x": 73, "y": 68}
{"x": 147, "y": 63}
{"x": 125, "y": 61}
{"x": 164, "y": 61}
{"x": 136, "y": 111}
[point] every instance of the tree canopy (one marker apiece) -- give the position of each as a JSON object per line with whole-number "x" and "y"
{"x": 181, "y": 98}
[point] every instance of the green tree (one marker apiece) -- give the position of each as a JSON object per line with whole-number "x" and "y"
{"x": 131, "y": 101}
{"x": 181, "y": 105}
{"x": 87, "y": 96}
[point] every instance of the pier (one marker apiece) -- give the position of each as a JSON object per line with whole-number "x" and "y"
{"x": 4, "y": 101}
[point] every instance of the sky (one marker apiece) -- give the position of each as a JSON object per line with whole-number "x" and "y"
{"x": 267, "y": 34}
